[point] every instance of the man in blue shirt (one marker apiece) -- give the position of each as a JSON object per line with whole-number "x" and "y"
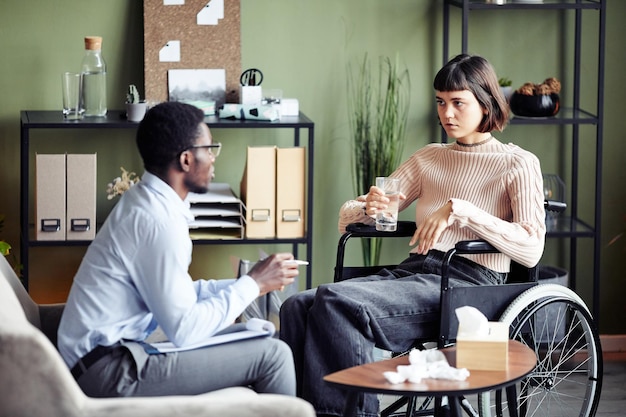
{"x": 134, "y": 277}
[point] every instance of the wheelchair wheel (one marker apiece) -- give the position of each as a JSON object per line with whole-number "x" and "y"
{"x": 554, "y": 322}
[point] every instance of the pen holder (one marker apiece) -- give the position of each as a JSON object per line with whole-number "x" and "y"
{"x": 251, "y": 94}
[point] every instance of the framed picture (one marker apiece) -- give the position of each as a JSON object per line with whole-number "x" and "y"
{"x": 197, "y": 85}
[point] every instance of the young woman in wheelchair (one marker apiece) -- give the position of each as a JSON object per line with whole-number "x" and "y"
{"x": 475, "y": 187}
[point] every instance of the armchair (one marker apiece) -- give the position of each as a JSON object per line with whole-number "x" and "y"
{"x": 34, "y": 380}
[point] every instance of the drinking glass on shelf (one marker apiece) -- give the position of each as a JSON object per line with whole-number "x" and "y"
{"x": 553, "y": 189}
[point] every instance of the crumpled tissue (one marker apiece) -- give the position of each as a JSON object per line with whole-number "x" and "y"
{"x": 429, "y": 363}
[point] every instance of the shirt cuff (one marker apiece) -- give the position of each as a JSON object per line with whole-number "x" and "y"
{"x": 248, "y": 287}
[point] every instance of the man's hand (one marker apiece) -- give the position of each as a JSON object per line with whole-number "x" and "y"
{"x": 429, "y": 231}
{"x": 274, "y": 272}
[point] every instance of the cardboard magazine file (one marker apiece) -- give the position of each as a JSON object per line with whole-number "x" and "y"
{"x": 290, "y": 192}
{"x": 50, "y": 197}
{"x": 81, "y": 196}
{"x": 218, "y": 214}
{"x": 258, "y": 192}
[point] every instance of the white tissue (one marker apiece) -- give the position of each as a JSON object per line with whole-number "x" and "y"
{"x": 429, "y": 363}
{"x": 472, "y": 323}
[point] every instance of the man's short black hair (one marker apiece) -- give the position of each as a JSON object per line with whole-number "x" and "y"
{"x": 167, "y": 129}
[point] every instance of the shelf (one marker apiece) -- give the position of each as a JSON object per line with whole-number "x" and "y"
{"x": 116, "y": 119}
{"x": 528, "y": 5}
{"x": 42, "y": 119}
{"x": 570, "y": 228}
{"x": 226, "y": 241}
{"x": 48, "y": 119}
{"x": 565, "y": 116}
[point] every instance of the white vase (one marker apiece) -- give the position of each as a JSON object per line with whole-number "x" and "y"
{"x": 507, "y": 92}
{"x": 135, "y": 111}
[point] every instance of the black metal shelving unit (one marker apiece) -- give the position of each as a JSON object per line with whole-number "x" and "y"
{"x": 572, "y": 227}
{"x": 36, "y": 119}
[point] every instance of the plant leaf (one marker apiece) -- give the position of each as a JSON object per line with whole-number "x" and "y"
{"x": 5, "y": 248}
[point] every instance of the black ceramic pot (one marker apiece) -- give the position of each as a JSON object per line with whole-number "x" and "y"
{"x": 534, "y": 106}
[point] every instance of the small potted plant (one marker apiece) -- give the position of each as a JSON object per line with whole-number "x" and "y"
{"x": 537, "y": 100}
{"x": 505, "y": 87}
{"x": 135, "y": 107}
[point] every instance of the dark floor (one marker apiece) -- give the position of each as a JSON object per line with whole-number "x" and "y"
{"x": 613, "y": 398}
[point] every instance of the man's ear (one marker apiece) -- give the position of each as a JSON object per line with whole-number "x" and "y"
{"x": 184, "y": 161}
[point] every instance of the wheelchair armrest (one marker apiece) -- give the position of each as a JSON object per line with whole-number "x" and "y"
{"x": 518, "y": 272}
{"x": 405, "y": 229}
{"x": 555, "y": 206}
{"x": 482, "y": 246}
{"x": 474, "y": 246}
{"x": 463, "y": 247}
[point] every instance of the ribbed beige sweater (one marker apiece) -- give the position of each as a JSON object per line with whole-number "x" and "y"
{"x": 496, "y": 191}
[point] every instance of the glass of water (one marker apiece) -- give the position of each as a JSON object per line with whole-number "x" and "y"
{"x": 387, "y": 219}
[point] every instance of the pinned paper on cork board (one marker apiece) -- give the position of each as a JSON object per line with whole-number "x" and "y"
{"x": 191, "y": 35}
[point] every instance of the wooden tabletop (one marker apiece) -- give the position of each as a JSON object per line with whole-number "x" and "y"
{"x": 369, "y": 377}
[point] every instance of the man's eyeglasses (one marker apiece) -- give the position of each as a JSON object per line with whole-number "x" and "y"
{"x": 214, "y": 148}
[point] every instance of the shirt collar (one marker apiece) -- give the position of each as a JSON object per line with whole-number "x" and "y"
{"x": 159, "y": 186}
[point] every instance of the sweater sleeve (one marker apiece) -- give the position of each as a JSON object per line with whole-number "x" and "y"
{"x": 353, "y": 211}
{"x": 522, "y": 239}
{"x": 409, "y": 173}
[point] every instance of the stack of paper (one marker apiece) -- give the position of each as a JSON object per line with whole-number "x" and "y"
{"x": 218, "y": 214}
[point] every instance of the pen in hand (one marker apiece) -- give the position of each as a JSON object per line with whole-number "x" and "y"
{"x": 297, "y": 262}
{"x": 293, "y": 262}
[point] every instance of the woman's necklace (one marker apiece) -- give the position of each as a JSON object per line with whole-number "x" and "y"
{"x": 471, "y": 145}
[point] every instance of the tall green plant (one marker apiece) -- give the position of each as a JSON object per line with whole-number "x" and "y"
{"x": 378, "y": 115}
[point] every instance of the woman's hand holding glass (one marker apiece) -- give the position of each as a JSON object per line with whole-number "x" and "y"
{"x": 375, "y": 201}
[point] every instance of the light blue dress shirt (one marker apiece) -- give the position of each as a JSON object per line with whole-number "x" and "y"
{"x": 134, "y": 277}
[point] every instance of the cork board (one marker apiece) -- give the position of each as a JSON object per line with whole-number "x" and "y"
{"x": 202, "y": 46}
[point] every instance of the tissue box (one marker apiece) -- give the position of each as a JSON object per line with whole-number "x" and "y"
{"x": 484, "y": 353}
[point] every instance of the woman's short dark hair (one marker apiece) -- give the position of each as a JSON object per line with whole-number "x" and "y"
{"x": 166, "y": 130}
{"x": 475, "y": 73}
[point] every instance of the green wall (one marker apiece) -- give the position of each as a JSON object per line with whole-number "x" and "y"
{"x": 304, "y": 47}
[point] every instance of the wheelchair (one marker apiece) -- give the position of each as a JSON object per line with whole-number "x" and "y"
{"x": 550, "y": 319}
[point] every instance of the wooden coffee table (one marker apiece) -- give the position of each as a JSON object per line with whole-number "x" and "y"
{"x": 369, "y": 378}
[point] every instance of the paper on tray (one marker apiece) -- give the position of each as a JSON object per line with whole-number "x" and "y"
{"x": 253, "y": 328}
{"x": 429, "y": 363}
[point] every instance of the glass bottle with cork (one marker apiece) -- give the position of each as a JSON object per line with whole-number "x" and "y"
{"x": 93, "y": 68}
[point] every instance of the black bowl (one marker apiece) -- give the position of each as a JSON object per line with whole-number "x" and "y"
{"x": 544, "y": 105}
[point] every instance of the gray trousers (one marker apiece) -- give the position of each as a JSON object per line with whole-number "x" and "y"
{"x": 336, "y": 326}
{"x": 263, "y": 364}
